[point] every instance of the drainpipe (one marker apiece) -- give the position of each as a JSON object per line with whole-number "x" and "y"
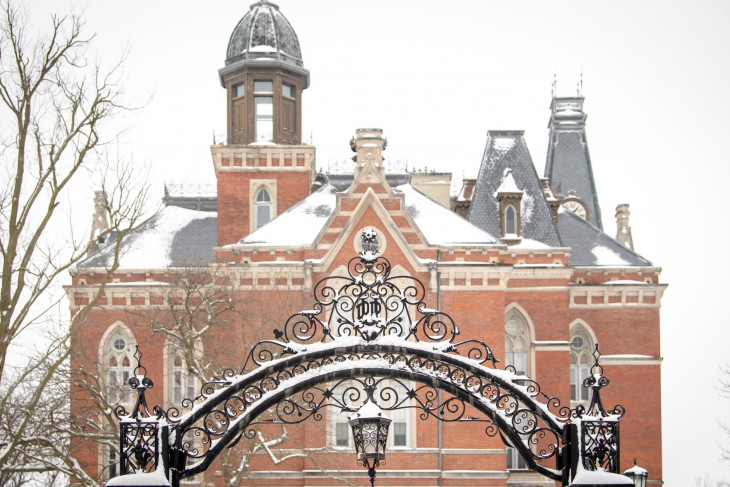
{"x": 440, "y": 423}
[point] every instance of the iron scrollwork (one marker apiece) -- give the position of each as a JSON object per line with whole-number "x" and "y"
{"x": 369, "y": 337}
{"x": 598, "y": 428}
{"x": 139, "y": 429}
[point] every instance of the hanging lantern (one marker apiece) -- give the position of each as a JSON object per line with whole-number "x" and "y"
{"x": 637, "y": 474}
{"x": 370, "y": 435}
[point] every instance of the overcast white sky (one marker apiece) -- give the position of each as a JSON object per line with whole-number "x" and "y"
{"x": 437, "y": 75}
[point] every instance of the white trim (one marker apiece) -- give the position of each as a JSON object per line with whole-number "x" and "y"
{"x": 629, "y": 359}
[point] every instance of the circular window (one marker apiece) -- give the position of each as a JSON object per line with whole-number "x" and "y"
{"x": 577, "y": 342}
{"x": 120, "y": 344}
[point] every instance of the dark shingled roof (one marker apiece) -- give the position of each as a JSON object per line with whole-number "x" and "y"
{"x": 568, "y": 164}
{"x": 583, "y": 238}
{"x": 180, "y": 239}
{"x": 507, "y": 149}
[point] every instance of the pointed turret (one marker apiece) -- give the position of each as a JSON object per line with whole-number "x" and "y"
{"x": 568, "y": 163}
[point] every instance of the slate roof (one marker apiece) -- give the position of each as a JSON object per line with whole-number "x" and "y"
{"x": 174, "y": 237}
{"x": 568, "y": 164}
{"x": 591, "y": 247}
{"x": 507, "y": 149}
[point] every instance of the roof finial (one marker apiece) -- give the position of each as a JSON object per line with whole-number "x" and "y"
{"x": 555, "y": 84}
{"x": 580, "y": 84}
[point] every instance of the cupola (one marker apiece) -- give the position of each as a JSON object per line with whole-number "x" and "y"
{"x": 264, "y": 78}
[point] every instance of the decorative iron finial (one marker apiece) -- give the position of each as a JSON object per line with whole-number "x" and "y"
{"x": 369, "y": 244}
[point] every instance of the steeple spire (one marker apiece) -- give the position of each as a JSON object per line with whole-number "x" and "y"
{"x": 568, "y": 163}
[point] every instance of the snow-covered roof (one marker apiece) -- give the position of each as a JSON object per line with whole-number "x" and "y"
{"x": 300, "y": 224}
{"x": 173, "y": 237}
{"x": 438, "y": 224}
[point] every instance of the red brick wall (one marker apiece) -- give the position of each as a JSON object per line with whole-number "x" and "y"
{"x": 233, "y": 199}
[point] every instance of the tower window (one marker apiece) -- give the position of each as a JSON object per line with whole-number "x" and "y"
{"x": 264, "y": 109}
{"x": 239, "y": 90}
{"x": 287, "y": 90}
{"x": 262, "y": 208}
{"x": 263, "y": 87}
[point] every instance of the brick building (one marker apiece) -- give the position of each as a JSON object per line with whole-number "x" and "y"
{"x": 520, "y": 262}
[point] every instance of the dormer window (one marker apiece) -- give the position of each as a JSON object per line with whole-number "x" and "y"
{"x": 262, "y": 208}
{"x": 509, "y": 198}
{"x": 264, "y": 110}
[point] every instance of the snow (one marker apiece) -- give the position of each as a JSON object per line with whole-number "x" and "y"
{"x": 626, "y": 281}
{"x": 607, "y": 257}
{"x": 438, "y": 224}
{"x": 636, "y": 470}
{"x": 509, "y": 185}
{"x": 262, "y": 48}
{"x": 156, "y": 478}
{"x": 528, "y": 243}
{"x": 503, "y": 143}
{"x": 300, "y": 224}
{"x": 527, "y": 205}
{"x": 587, "y": 477}
{"x": 370, "y": 410}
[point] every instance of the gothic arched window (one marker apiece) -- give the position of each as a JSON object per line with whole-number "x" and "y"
{"x": 118, "y": 361}
{"x": 516, "y": 353}
{"x": 183, "y": 380}
{"x": 581, "y": 349}
{"x": 510, "y": 220}
{"x": 262, "y": 208}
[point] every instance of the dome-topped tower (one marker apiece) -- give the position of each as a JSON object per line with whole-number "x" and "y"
{"x": 265, "y": 78}
{"x": 264, "y": 33}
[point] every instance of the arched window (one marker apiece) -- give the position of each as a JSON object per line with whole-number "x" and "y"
{"x": 183, "y": 381}
{"x": 581, "y": 349}
{"x": 516, "y": 354}
{"x": 516, "y": 342}
{"x": 262, "y": 208}
{"x": 118, "y": 360}
{"x": 510, "y": 220}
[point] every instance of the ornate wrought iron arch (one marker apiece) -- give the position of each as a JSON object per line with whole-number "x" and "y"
{"x": 369, "y": 326}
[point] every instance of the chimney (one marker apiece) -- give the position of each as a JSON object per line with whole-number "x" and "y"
{"x": 552, "y": 201}
{"x": 100, "y": 220}
{"x": 368, "y": 144}
{"x": 623, "y": 229}
{"x": 461, "y": 203}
